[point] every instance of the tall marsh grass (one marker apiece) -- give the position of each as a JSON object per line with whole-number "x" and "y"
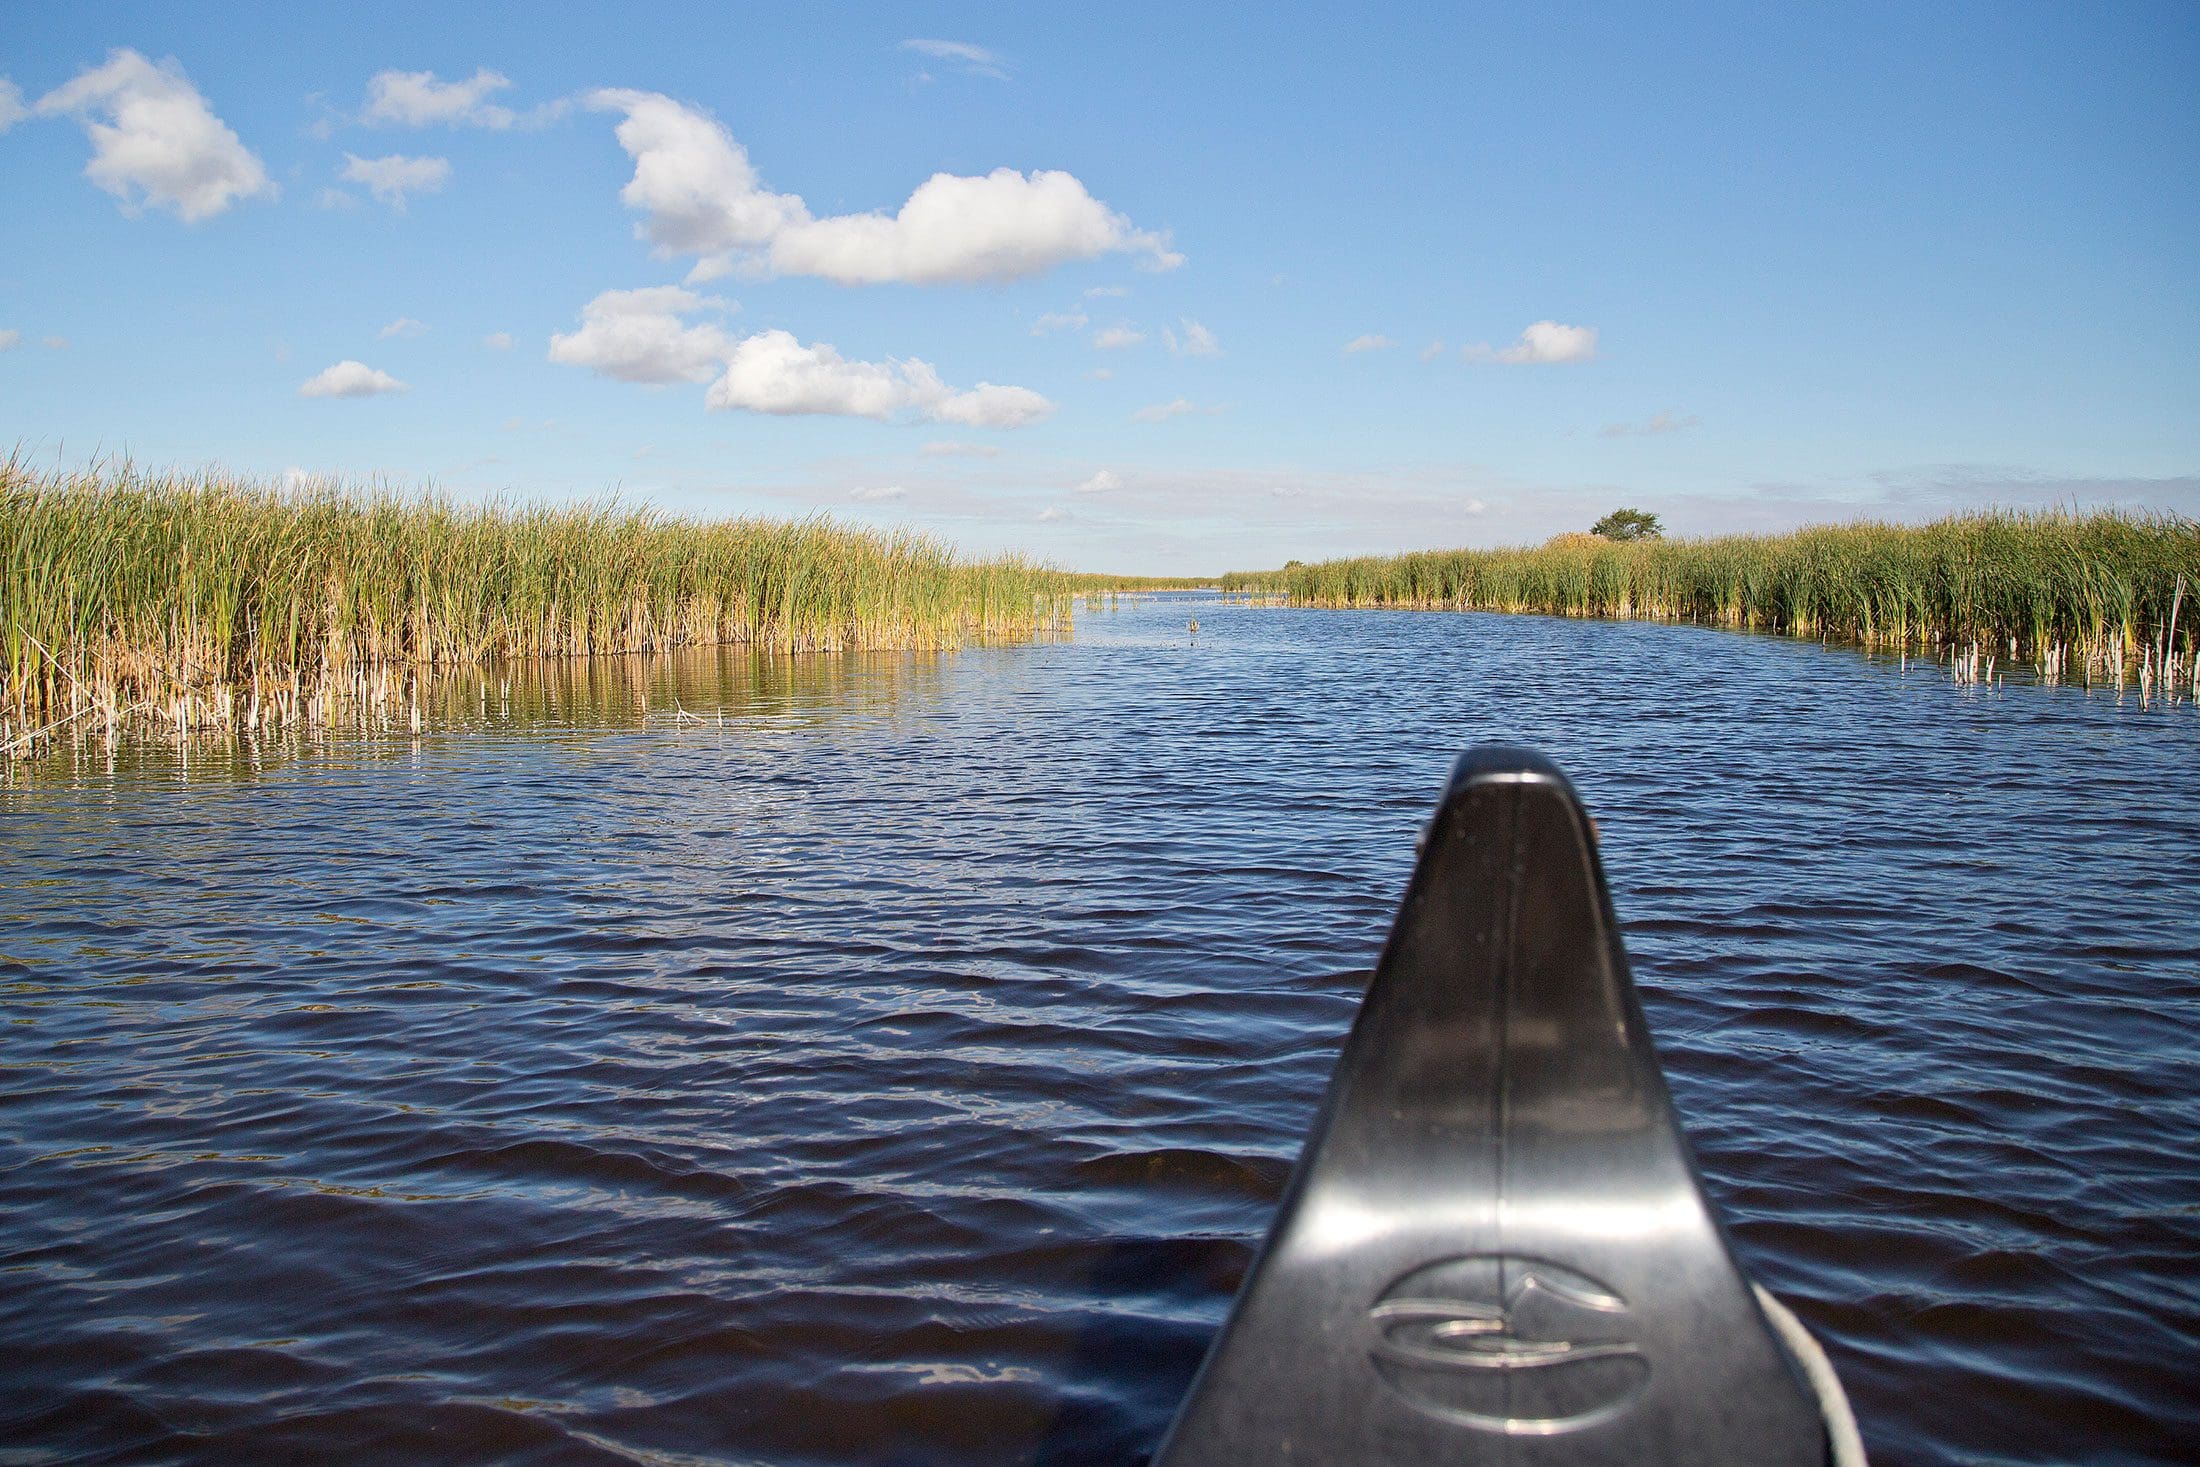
{"x": 188, "y": 602}
{"x": 2108, "y": 595}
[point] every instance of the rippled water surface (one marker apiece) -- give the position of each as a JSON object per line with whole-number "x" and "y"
{"x": 904, "y": 1068}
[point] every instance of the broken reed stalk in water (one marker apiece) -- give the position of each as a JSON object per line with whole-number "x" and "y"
{"x": 192, "y": 602}
{"x": 2092, "y": 594}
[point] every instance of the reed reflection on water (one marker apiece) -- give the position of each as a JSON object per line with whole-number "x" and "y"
{"x": 732, "y": 685}
{"x": 897, "y": 1057}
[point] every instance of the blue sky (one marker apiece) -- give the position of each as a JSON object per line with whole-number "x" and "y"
{"x": 1087, "y": 284}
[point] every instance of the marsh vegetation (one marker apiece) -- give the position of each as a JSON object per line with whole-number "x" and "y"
{"x": 2103, "y": 596}
{"x": 190, "y": 603}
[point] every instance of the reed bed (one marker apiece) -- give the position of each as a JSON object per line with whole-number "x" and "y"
{"x": 192, "y": 602}
{"x": 1111, "y": 593}
{"x": 1083, "y": 582}
{"x": 2106, "y": 596}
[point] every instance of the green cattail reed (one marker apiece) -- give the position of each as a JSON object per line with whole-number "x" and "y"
{"x": 186, "y": 602}
{"x": 1086, "y": 582}
{"x": 2095, "y": 594}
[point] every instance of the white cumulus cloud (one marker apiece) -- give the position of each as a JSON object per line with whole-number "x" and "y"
{"x": 642, "y": 336}
{"x": 1543, "y": 344}
{"x": 772, "y": 372}
{"x": 391, "y": 179}
{"x": 693, "y": 181}
{"x": 404, "y": 326}
{"x": 350, "y": 379}
{"x": 1197, "y": 340}
{"x": 699, "y": 194}
{"x": 1369, "y": 342}
{"x": 159, "y": 143}
{"x": 1003, "y": 226}
{"x": 416, "y": 99}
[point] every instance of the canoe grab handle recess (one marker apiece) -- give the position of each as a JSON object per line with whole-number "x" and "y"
{"x": 1496, "y": 1247}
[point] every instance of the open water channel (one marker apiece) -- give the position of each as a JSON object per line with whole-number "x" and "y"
{"x": 905, "y": 1067}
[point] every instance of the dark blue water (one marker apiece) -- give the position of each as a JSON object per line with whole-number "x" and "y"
{"x": 905, "y": 1068}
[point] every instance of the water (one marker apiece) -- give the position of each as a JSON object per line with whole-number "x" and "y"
{"x": 905, "y": 1069}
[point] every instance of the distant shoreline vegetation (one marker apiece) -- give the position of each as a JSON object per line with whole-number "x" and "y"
{"x": 2107, "y": 595}
{"x": 184, "y": 603}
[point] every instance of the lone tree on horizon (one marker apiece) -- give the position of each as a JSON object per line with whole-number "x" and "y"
{"x": 1628, "y": 524}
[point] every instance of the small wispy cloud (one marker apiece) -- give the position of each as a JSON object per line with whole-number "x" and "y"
{"x": 1107, "y": 292}
{"x": 54, "y": 343}
{"x": 1432, "y": 351}
{"x": 12, "y": 109}
{"x": 1546, "y": 343}
{"x": 1161, "y": 412}
{"x": 948, "y": 448}
{"x": 1054, "y": 321}
{"x": 1368, "y": 342}
{"x": 876, "y": 494}
{"x": 403, "y": 326}
{"x": 1115, "y": 338}
{"x": 350, "y": 379}
{"x": 395, "y": 178}
{"x": 498, "y": 341}
{"x": 1054, "y": 514}
{"x": 1100, "y": 483}
{"x": 10, "y": 339}
{"x": 417, "y": 99}
{"x": 1197, "y": 340}
{"x": 975, "y": 60}
{"x": 1653, "y": 425}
